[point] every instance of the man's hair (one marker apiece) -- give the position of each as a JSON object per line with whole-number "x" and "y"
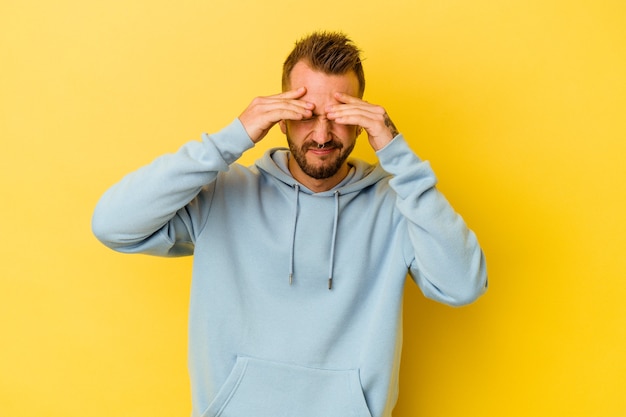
{"x": 328, "y": 52}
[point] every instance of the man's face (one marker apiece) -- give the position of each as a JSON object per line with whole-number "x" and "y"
{"x": 305, "y": 137}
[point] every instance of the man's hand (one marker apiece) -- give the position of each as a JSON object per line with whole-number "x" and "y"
{"x": 374, "y": 119}
{"x": 264, "y": 112}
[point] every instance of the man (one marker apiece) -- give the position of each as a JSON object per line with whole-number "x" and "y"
{"x": 300, "y": 261}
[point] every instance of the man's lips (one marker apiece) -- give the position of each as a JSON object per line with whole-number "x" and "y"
{"x": 328, "y": 148}
{"x": 323, "y": 151}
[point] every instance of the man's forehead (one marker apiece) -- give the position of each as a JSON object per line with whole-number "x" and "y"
{"x": 321, "y": 85}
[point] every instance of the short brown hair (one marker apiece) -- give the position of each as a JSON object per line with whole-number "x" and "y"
{"x": 328, "y": 52}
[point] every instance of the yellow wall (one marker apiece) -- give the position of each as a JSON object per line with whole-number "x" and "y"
{"x": 519, "y": 105}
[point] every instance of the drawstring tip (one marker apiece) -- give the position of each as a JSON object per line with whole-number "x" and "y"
{"x": 330, "y": 283}
{"x": 290, "y": 279}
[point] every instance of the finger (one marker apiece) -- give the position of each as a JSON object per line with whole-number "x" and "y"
{"x": 347, "y": 98}
{"x": 361, "y": 115}
{"x": 290, "y": 114}
{"x": 357, "y": 119}
{"x": 297, "y": 93}
{"x": 273, "y": 107}
{"x": 353, "y": 105}
{"x": 288, "y": 109}
{"x": 288, "y": 99}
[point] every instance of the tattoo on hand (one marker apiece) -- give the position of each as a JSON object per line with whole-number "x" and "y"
{"x": 391, "y": 126}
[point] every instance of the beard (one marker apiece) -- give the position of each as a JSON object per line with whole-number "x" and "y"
{"x": 330, "y": 164}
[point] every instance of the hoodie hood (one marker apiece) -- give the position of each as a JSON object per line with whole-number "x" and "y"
{"x": 361, "y": 175}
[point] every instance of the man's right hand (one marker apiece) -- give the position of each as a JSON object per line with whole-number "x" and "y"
{"x": 264, "y": 112}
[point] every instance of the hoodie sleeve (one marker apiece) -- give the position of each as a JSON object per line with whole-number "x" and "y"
{"x": 448, "y": 263}
{"x": 157, "y": 209}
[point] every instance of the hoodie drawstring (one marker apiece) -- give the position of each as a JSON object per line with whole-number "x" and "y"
{"x": 331, "y": 261}
{"x": 293, "y": 233}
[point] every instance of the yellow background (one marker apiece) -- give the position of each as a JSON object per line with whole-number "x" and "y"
{"x": 519, "y": 105}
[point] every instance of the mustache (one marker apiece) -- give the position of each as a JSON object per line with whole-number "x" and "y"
{"x": 327, "y": 145}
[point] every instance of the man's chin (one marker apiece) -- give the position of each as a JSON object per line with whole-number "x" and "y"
{"x": 321, "y": 171}
{"x": 321, "y": 162}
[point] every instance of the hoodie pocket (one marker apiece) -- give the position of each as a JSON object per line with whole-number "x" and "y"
{"x": 258, "y": 388}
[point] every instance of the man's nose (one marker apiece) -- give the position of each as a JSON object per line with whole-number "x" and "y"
{"x": 321, "y": 131}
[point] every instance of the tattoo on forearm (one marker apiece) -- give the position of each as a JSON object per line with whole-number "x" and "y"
{"x": 391, "y": 126}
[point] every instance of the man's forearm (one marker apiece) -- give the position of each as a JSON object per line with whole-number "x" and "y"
{"x": 145, "y": 200}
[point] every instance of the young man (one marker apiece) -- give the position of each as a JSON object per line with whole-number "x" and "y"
{"x": 300, "y": 260}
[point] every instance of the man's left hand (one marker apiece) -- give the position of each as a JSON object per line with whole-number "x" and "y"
{"x": 373, "y": 118}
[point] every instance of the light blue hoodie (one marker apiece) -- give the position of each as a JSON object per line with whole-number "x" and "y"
{"x": 269, "y": 336}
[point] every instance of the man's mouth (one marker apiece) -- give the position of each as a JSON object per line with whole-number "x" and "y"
{"x": 323, "y": 149}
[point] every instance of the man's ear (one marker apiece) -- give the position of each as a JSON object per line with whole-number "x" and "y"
{"x": 283, "y": 127}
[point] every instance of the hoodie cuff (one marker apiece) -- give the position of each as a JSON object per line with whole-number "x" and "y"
{"x": 410, "y": 174}
{"x": 396, "y": 156}
{"x": 231, "y": 142}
